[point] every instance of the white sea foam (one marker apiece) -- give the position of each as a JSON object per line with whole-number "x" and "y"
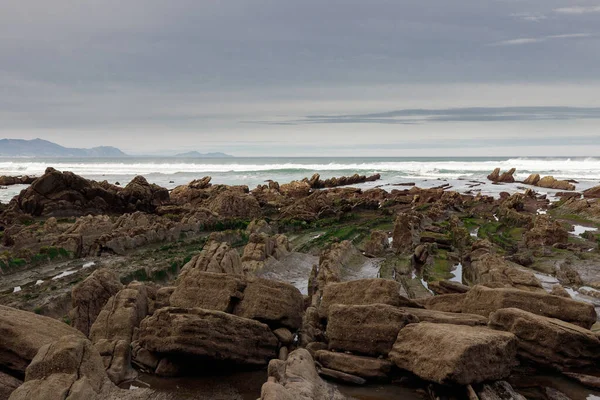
{"x": 588, "y": 168}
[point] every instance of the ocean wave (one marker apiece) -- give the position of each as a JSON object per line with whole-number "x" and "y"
{"x": 575, "y": 168}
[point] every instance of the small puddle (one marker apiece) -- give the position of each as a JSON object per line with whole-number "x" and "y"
{"x": 39, "y": 282}
{"x": 581, "y": 229}
{"x": 475, "y": 232}
{"x": 541, "y": 212}
{"x": 63, "y": 274}
{"x": 17, "y": 289}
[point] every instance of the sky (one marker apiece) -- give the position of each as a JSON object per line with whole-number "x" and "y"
{"x": 304, "y": 78}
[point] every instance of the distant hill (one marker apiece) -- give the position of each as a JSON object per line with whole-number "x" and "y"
{"x": 195, "y": 154}
{"x": 44, "y": 148}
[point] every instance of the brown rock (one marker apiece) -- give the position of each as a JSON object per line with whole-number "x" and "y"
{"x": 112, "y": 332}
{"x": 234, "y": 204}
{"x": 216, "y": 257}
{"x": 545, "y": 232}
{"x": 592, "y": 193}
{"x": 532, "y": 179}
{"x": 499, "y": 390}
{"x": 441, "y": 317}
{"x": 492, "y": 270}
{"x": 23, "y": 334}
{"x": 558, "y": 290}
{"x": 365, "y": 329}
{"x": 407, "y": 232}
{"x": 361, "y": 292}
{"x": 277, "y": 304}
{"x": 452, "y": 303}
{"x": 284, "y": 336}
{"x": 548, "y": 341}
{"x": 213, "y": 335}
{"x": 469, "y": 355}
{"x": 89, "y": 296}
{"x": 447, "y": 287}
{"x": 550, "y": 183}
{"x": 342, "y": 376}
{"x": 377, "y": 244}
{"x": 219, "y": 292}
{"x": 483, "y": 301}
{"x": 297, "y": 379}
{"x": 365, "y": 367}
{"x": 8, "y": 384}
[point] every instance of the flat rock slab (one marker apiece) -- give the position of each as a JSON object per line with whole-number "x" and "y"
{"x": 483, "y": 301}
{"x": 366, "y": 329}
{"x": 209, "y": 334}
{"x": 548, "y": 341}
{"x": 442, "y": 317}
{"x": 364, "y": 367}
{"x": 454, "y": 354}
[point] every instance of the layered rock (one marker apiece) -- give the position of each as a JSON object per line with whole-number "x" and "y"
{"x": 23, "y": 334}
{"x": 297, "y": 379}
{"x": 260, "y": 248}
{"x": 217, "y": 257}
{"x": 407, "y": 230}
{"x": 592, "y": 193}
{"x": 71, "y": 368}
{"x": 277, "y": 304}
{"x": 550, "y": 182}
{"x": 532, "y": 179}
{"x": 364, "y": 367}
{"x": 442, "y": 317}
{"x": 378, "y": 244}
{"x": 234, "y": 204}
{"x": 362, "y": 292}
{"x": 331, "y": 263}
{"x": 483, "y": 301}
{"x": 548, "y": 341}
{"x": 365, "y": 329}
{"x": 89, "y": 297}
{"x": 494, "y": 271}
{"x": 471, "y": 354}
{"x": 211, "y": 291}
{"x": 183, "y": 334}
{"x": 545, "y": 232}
{"x": 506, "y": 177}
{"x": 112, "y": 332}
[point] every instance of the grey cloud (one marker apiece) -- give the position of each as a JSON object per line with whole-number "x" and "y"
{"x": 476, "y": 114}
{"x": 578, "y": 10}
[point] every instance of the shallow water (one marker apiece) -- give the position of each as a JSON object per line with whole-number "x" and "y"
{"x": 580, "y": 229}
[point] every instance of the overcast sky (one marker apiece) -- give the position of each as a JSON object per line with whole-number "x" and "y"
{"x": 304, "y": 77}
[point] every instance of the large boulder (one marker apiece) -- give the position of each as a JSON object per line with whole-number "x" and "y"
{"x": 365, "y": 329}
{"x": 550, "y": 182}
{"x": 332, "y": 262}
{"x": 297, "y": 379}
{"x": 361, "y": 292}
{"x": 89, "y": 297}
{"x": 483, "y": 301}
{"x": 112, "y": 332}
{"x": 548, "y": 341}
{"x": 532, "y": 179}
{"x": 260, "y": 248}
{"x": 211, "y": 291}
{"x": 70, "y": 368}
{"x": 216, "y": 257}
{"x": 545, "y": 232}
{"x": 8, "y": 384}
{"x": 143, "y": 195}
{"x": 277, "y": 304}
{"x": 23, "y": 334}
{"x": 213, "y": 335}
{"x": 506, "y": 177}
{"x": 67, "y": 368}
{"x": 364, "y": 367}
{"x": 454, "y": 354}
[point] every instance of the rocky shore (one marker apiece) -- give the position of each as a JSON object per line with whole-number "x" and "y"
{"x": 332, "y": 292}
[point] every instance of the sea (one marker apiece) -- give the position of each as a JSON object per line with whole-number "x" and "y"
{"x": 460, "y": 174}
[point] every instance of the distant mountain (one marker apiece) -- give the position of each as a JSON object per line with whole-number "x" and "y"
{"x": 44, "y": 148}
{"x": 195, "y": 154}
